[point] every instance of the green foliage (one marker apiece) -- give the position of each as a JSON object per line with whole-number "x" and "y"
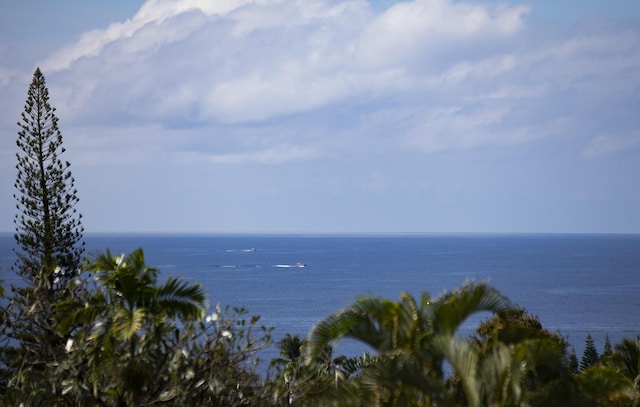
{"x": 289, "y": 365}
{"x": 614, "y": 379}
{"x": 48, "y": 236}
{"x": 574, "y": 365}
{"x": 607, "y": 386}
{"x": 117, "y": 333}
{"x": 48, "y": 227}
{"x": 135, "y": 341}
{"x": 626, "y": 358}
{"x": 512, "y": 326}
{"x": 590, "y": 355}
{"x": 608, "y": 349}
{"x": 538, "y": 369}
{"x": 412, "y": 341}
{"x": 218, "y": 364}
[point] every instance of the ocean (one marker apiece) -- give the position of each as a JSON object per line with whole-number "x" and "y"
{"x": 575, "y": 284}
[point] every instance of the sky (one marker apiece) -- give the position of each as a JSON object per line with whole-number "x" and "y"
{"x": 335, "y": 116}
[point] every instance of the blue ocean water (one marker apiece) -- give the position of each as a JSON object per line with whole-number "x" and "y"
{"x": 575, "y": 284}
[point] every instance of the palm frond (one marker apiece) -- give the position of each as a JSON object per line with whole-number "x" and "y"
{"x": 463, "y": 358}
{"x": 452, "y": 309}
{"x": 177, "y": 298}
{"x": 73, "y": 313}
{"x": 606, "y": 384}
{"x": 127, "y": 323}
{"x": 628, "y": 356}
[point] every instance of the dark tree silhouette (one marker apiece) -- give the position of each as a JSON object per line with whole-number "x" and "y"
{"x": 49, "y": 249}
{"x": 608, "y": 349}
{"x": 590, "y": 356}
{"x": 574, "y": 365}
{"x": 48, "y": 227}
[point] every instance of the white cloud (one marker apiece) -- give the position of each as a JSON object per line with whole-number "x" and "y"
{"x": 483, "y": 69}
{"x": 431, "y": 75}
{"x": 251, "y": 61}
{"x": 455, "y": 128}
{"x": 275, "y": 155}
{"x": 410, "y": 31}
{"x": 152, "y": 12}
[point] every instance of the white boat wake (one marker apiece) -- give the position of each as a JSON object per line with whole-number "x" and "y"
{"x": 297, "y": 265}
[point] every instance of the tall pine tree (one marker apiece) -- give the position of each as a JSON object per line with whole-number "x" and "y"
{"x": 48, "y": 227}
{"x": 590, "y": 356}
{"x": 49, "y": 249}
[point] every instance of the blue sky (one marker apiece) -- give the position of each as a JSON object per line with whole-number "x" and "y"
{"x": 328, "y": 116}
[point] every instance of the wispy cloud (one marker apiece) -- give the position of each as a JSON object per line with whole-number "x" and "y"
{"x": 275, "y": 155}
{"x": 608, "y": 144}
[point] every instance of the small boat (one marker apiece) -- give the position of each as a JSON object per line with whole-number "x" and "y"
{"x": 297, "y": 265}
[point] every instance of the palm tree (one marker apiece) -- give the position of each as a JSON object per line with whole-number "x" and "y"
{"x": 529, "y": 372}
{"x": 627, "y": 357}
{"x": 607, "y": 386}
{"x": 410, "y": 339}
{"x": 127, "y": 329}
{"x": 615, "y": 379}
{"x": 514, "y": 346}
{"x": 290, "y": 349}
{"x": 289, "y": 364}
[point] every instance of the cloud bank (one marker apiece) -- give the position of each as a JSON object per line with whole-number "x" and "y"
{"x": 441, "y": 75}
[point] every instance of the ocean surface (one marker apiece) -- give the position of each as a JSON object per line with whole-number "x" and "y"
{"x": 575, "y": 284}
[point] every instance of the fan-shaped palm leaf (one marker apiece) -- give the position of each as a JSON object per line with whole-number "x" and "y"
{"x": 128, "y": 323}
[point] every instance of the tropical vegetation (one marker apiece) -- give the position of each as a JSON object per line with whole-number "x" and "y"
{"x": 49, "y": 249}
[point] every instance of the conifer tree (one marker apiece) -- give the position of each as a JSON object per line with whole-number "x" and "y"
{"x": 574, "y": 366}
{"x": 48, "y": 227}
{"x": 590, "y": 356}
{"x": 49, "y": 249}
{"x": 608, "y": 349}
